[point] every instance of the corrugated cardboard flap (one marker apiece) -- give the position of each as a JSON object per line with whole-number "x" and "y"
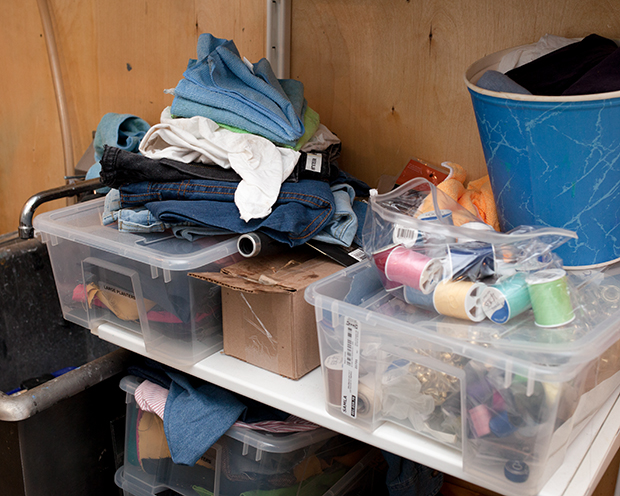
{"x": 286, "y": 272}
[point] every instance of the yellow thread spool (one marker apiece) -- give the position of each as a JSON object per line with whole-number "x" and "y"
{"x": 460, "y": 299}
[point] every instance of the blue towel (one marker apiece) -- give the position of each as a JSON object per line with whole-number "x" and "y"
{"x": 123, "y": 131}
{"x": 220, "y": 86}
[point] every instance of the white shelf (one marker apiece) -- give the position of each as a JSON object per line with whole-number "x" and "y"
{"x": 586, "y": 460}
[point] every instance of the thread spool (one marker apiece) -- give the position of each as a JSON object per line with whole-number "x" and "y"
{"x": 480, "y": 417}
{"x": 478, "y": 226}
{"x": 365, "y": 397}
{"x": 333, "y": 378}
{"x": 507, "y": 299}
{"x": 444, "y": 217}
{"x": 380, "y": 258}
{"x": 474, "y": 260}
{"x": 550, "y": 298}
{"x": 416, "y": 297}
{"x": 460, "y": 299}
{"x": 413, "y": 269}
{"x": 333, "y": 385}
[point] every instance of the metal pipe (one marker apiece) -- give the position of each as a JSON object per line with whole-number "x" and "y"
{"x": 26, "y": 231}
{"x": 18, "y": 407}
{"x": 59, "y": 89}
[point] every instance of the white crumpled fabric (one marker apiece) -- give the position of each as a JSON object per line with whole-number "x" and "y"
{"x": 262, "y": 165}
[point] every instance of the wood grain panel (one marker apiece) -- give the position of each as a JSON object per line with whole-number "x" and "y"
{"x": 31, "y": 156}
{"x": 387, "y": 76}
{"x": 116, "y": 56}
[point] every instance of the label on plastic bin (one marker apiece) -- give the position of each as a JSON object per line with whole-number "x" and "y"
{"x": 350, "y": 367}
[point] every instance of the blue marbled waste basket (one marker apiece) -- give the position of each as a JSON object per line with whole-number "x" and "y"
{"x": 553, "y": 161}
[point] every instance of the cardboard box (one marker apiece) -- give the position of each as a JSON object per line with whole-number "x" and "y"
{"x": 266, "y": 321}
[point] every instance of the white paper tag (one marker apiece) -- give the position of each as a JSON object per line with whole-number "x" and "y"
{"x": 350, "y": 366}
{"x": 493, "y": 300}
{"x": 358, "y": 254}
{"x": 313, "y": 162}
{"x": 404, "y": 235}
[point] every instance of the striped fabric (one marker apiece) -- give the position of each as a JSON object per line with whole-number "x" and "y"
{"x": 151, "y": 398}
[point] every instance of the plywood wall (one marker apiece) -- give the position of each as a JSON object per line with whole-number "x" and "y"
{"x": 385, "y": 75}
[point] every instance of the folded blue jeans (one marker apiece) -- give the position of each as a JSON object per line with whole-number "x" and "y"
{"x": 300, "y": 212}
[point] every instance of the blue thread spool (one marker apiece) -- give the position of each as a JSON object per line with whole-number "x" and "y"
{"x": 550, "y": 298}
{"x": 507, "y": 299}
{"x": 444, "y": 217}
{"x": 516, "y": 471}
{"x": 417, "y": 298}
{"x": 474, "y": 260}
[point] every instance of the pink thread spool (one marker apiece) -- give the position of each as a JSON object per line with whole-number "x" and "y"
{"x": 412, "y": 269}
{"x": 380, "y": 258}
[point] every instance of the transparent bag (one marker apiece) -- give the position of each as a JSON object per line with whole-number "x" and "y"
{"x": 433, "y": 253}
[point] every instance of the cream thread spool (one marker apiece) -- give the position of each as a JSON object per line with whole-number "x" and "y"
{"x": 365, "y": 397}
{"x": 550, "y": 298}
{"x": 413, "y": 269}
{"x": 460, "y": 299}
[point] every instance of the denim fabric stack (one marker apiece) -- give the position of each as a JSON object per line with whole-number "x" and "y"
{"x": 238, "y": 151}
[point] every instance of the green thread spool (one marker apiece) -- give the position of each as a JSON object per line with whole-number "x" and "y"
{"x": 550, "y": 298}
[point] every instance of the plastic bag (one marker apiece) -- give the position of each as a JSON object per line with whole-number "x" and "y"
{"x": 433, "y": 253}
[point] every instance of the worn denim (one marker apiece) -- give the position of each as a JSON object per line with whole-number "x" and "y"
{"x": 120, "y": 167}
{"x": 342, "y": 228}
{"x": 300, "y": 212}
{"x": 141, "y": 220}
{"x": 219, "y": 85}
{"x": 124, "y": 131}
{"x": 196, "y": 417}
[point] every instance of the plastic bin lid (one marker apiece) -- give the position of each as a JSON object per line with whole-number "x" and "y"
{"x": 82, "y": 223}
{"x": 260, "y": 440}
{"x": 557, "y": 354}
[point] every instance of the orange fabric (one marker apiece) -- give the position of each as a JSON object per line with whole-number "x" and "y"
{"x": 458, "y": 173}
{"x": 479, "y": 196}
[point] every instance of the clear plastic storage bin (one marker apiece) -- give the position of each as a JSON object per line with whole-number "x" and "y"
{"x": 241, "y": 461}
{"x": 138, "y": 282}
{"x": 510, "y": 397}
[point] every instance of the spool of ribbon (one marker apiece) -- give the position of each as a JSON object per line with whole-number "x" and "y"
{"x": 506, "y": 299}
{"x": 460, "y": 299}
{"x": 409, "y": 267}
{"x": 550, "y": 298}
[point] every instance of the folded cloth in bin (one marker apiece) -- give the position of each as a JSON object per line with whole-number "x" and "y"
{"x": 221, "y": 86}
{"x": 555, "y": 72}
{"x": 195, "y": 418}
{"x": 198, "y": 413}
